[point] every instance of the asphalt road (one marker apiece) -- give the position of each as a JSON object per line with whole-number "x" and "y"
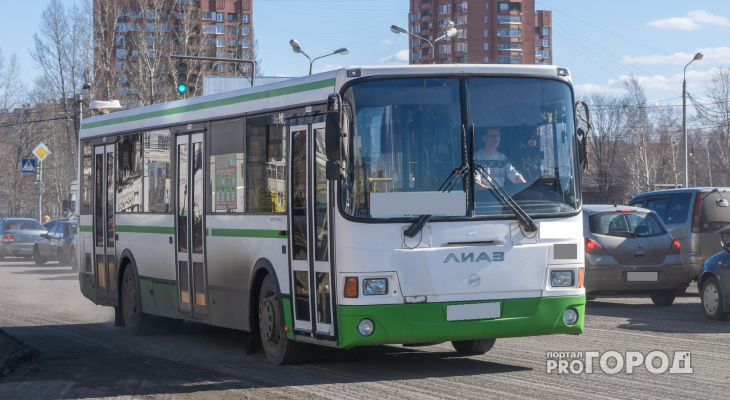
{"x": 79, "y": 354}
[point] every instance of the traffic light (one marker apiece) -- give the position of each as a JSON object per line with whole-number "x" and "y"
{"x": 182, "y": 77}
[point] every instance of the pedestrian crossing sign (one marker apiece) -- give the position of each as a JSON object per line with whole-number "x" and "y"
{"x": 27, "y": 165}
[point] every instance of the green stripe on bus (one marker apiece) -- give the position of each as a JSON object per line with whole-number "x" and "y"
{"x": 85, "y": 228}
{"x": 166, "y": 230}
{"x": 215, "y": 103}
{"x": 253, "y": 233}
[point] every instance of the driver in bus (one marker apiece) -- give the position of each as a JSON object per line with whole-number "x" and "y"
{"x": 495, "y": 162}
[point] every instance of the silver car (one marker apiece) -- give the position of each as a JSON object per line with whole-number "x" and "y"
{"x": 18, "y": 236}
{"x": 628, "y": 250}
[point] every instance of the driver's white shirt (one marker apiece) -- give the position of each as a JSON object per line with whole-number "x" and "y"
{"x": 497, "y": 165}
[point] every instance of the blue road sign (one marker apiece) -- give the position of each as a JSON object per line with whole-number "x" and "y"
{"x": 27, "y": 165}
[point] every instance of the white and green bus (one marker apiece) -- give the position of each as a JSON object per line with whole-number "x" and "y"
{"x": 343, "y": 209}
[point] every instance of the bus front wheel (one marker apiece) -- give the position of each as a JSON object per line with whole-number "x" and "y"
{"x": 278, "y": 348}
{"x": 473, "y": 347}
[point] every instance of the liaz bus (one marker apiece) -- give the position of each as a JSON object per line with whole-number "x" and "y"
{"x": 347, "y": 208}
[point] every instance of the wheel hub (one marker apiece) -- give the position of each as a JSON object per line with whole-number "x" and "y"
{"x": 711, "y": 299}
{"x": 267, "y": 320}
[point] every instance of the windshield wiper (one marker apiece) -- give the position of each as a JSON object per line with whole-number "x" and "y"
{"x": 502, "y": 194}
{"x": 456, "y": 175}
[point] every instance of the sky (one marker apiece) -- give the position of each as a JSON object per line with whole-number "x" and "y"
{"x": 600, "y": 42}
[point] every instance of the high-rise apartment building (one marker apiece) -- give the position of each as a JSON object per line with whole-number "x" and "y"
{"x": 487, "y": 32}
{"x": 134, "y": 39}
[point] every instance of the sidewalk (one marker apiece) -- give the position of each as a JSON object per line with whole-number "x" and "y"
{"x": 12, "y": 353}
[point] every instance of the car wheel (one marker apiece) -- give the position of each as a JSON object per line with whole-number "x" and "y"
{"x": 712, "y": 300}
{"x": 278, "y": 348}
{"x": 681, "y": 291}
{"x": 136, "y": 322}
{"x": 37, "y": 257}
{"x": 473, "y": 347}
{"x": 73, "y": 260}
{"x": 664, "y": 297}
{"x": 63, "y": 258}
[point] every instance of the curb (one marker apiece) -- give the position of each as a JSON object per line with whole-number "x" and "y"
{"x": 12, "y": 353}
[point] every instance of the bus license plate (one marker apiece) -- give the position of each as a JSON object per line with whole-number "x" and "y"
{"x": 461, "y": 312}
{"x": 642, "y": 276}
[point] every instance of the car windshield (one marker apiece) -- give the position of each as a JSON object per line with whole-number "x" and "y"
{"x": 629, "y": 224}
{"x": 23, "y": 225}
{"x": 410, "y": 147}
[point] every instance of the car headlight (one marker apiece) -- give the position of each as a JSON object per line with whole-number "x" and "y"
{"x": 378, "y": 286}
{"x": 562, "y": 278}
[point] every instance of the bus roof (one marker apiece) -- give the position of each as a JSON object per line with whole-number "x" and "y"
{"x": 303, "y": 91}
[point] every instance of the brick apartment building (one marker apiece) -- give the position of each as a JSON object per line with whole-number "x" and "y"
{"x": 133, "y": 40}
{"x": 488, "y": 32}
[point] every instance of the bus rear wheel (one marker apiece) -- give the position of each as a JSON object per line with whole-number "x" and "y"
{"x": 473, "y": 347}
{"x": 278, "y": 348}
{"x": 136, "y": 322}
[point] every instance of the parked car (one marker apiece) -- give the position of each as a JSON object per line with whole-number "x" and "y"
{"x": 18, "y": 236}
{"x": 48, "y": 225}
{"x": 628, "y": 250}
{"x": 57, "y": 245}
{"x": 713, "y": 285}
{"x": 698, "y": 217}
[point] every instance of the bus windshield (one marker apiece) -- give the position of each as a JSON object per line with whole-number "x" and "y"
{"x": 408, "y": 140}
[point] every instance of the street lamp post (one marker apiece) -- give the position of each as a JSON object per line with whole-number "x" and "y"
{"x": 449, "y": 32}
{"x": 685, "y": 181}
{"x": 298, "y": 49}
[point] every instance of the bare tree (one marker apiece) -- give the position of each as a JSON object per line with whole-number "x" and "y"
{"x": 716, "y": 117}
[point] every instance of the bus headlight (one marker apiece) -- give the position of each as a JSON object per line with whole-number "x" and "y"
{"x": 377, "y": 286}
{"x": 561, "y": 278}
{"x": 570, "y": 316}
{"x": 365, "y": 327}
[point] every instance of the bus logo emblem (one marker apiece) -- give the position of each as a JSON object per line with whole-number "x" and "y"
{"x": 475, "y": 280}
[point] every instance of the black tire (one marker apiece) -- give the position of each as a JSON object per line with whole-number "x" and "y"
{"x": 278, "y": 348}
{"x": 473, "y": 347}
{"x": 73, "y": 260}
{"x": 713, "y": 300}
{"x": 63, "y": 257}
{"x": 37, "y": 256}
{"x": 664, "y": 297}
{"x": 136, "y": 322}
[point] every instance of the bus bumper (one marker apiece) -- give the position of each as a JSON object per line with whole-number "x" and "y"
{"x": 426, "y": 322}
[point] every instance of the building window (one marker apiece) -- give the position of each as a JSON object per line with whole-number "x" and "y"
{"x": 542, "y": 53}
{"x": 246, "y": 18}
{"x": 460, "y": 20}
{"x": 220, "y": 17}
{"x": 486, "y": 7}
{"x": 461, "y": 33}
{"x": 463, "y": 60}
{"x": 209, "y": 16}
{"x": 486, "y": 19}
{"x": 510, "y": 46}
{"x": 504, "y": 32}
{"x": 463, "y": 47}
{"x": 121, "y": 54}
{"x": 445, "y": 49}
{"x": 486, "y": 46}
{"x": 542, "y": 42}
{"x": 446, "y": 9}
{"x": 460, "y": 7}
{"x": 509, "y": 19}
{"x": 486, "y": 60}
{"x": 232, "y": 17}
{"x": 119, "y": 40}
{"x": 510, "y": 7}
{"x": 486, "y": 33}
{"x": 509, "y": 59}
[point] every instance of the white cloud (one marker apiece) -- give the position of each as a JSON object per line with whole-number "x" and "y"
{"x": 398, "y": 58}
{"x": 691, "y": 22}
{"x": 715, "y": 55}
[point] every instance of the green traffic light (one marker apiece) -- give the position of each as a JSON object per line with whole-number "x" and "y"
{"x": 182, "y": 88}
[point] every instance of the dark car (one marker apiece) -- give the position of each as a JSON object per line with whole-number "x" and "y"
{"x": 698, "y": 217}
{"x": 48, "y": 225}
{"x": 18, "y": 236}
{"x": 628, "y": 250}
{"x": 713, "y": 285}
{"x": 57, "y": 245}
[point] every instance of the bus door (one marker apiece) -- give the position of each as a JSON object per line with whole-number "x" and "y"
{"x": 311, "y": 271}
{"x": 189, "y": 226}
{"x": 105, "y": 268}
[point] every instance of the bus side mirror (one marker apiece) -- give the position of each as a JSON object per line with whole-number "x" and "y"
{"x": 582, "y": 135}
{"x": 335, "y": 142}
{"x": 65, "y": 205}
